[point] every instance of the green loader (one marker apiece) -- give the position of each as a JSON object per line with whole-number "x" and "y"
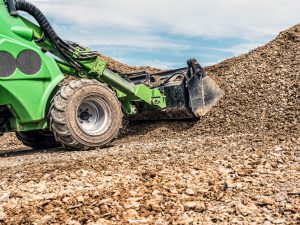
{"x": 45, "y": 110}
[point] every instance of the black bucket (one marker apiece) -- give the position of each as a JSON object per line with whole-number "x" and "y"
{"x": 203, "y": 91}
{"x": 191, "y": 96}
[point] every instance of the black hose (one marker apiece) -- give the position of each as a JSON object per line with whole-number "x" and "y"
{"x": 32, "y": 10}
{"x": 66, "y": 49}
{"x": 171, "y": 77}
{"x": 11, "y": 7}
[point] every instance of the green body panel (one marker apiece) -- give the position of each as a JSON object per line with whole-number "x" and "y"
{"x": 26, "y": 96}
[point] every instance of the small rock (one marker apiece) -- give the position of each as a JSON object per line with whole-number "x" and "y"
{"x": 238, "y": 185}
{"x": 65, "y": 200}
{"x": 105, "y": 201}
{"x": 104, "y": 209}
{"x": 189, "y": 192}
{"x": 50, "y": 196}
{"x": 72, "y": 222}
{"x": 190, "y": 205}
{"x": 194, "y": 172}
{"x": 97, "y": 210}
{"x": 133, "y": 193}
{"x": 173, "y": 190}
{"x": 200, "y": 207}
{"x": 96, "y": 194}
{"x": 229, "y": 185}
{"x": 265, "y": 201}
{"x": 156, "y": 192}
{"x": 101, "y": 221}
{"x": 187, "y": 221}
{"x": 154, "y": 206}
{"x": 277, "y": 148}
{"x": 132, "y": 204}
{"x": 4, "y": 197}
{"x": 45, "y": 219}
{"x": 196, "y": 206}
{"x": 246, "y": 210}
{"x": 41, "y": 187}
{"x": 291, "y": 208}
{"x": 131, "y": 214}
{"x": 80, "y": 198}
{"x": 139, "y": 221}
{"x": 279, "y": 221}
{"x": 157, "y": 197}
{"x": 3, "y": 216}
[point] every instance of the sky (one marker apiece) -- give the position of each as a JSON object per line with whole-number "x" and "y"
{"x": 165, "y": 33}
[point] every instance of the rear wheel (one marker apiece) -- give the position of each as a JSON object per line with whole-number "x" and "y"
{"x": 38, "y": 139}
{"x": 85, "y": 114}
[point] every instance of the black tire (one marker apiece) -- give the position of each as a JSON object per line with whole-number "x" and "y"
{"x": 41, "y": 139}
{"x": 85, "y": 114}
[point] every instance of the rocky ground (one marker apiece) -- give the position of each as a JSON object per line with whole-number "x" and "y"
{"x": 237, "y": 165}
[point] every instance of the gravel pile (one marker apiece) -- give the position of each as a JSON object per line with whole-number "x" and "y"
{"x": 125, "y": 69}
{"x": 237, "y": 165}
{"x": 262, "y": 92}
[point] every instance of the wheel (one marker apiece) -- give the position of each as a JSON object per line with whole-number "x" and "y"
{"x": 38, "y": 139}
{"x": 85, "y": 114}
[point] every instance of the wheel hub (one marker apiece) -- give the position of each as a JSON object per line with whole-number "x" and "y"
{"x": 93, "y": 116}
{"x": 85, "y": 115}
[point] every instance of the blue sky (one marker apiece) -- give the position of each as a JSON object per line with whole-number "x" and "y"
{"x": 165, "y": 33}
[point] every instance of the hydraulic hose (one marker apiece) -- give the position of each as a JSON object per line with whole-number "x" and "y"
{"x": 66, "y": 49}
{"x": 32, "y": 10}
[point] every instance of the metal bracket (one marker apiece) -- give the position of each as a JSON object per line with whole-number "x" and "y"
{"x": 195, "y": 69}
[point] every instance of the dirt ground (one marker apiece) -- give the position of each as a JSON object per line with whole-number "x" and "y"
{"x": 237, "y": 165}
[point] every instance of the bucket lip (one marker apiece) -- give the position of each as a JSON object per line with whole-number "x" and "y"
{"x": 204, "y": 95}
{"x": 205, "y": 109}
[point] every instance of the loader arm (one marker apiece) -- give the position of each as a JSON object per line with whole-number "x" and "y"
{"x": 95, "y": 68}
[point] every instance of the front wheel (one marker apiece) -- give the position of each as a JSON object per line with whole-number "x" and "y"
{"x": 85, "y": 114}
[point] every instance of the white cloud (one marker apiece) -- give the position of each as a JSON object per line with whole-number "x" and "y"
{"x": 249, "y": 19}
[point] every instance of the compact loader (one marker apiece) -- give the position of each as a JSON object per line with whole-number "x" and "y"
{"x": 46, "y": 110}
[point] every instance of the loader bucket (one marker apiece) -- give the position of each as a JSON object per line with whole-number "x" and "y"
{"x": 203, "y": 92}
{"x": 189, "y": 92}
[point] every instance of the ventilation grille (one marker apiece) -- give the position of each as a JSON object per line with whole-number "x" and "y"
{"x": 29, "y": 62}
{"x": 7, "y": 64}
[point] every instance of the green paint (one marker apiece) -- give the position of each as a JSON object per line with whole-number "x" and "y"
{"x": 26, "y": 96}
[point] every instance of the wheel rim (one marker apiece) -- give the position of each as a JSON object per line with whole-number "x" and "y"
{"x": 93, "y": 116}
